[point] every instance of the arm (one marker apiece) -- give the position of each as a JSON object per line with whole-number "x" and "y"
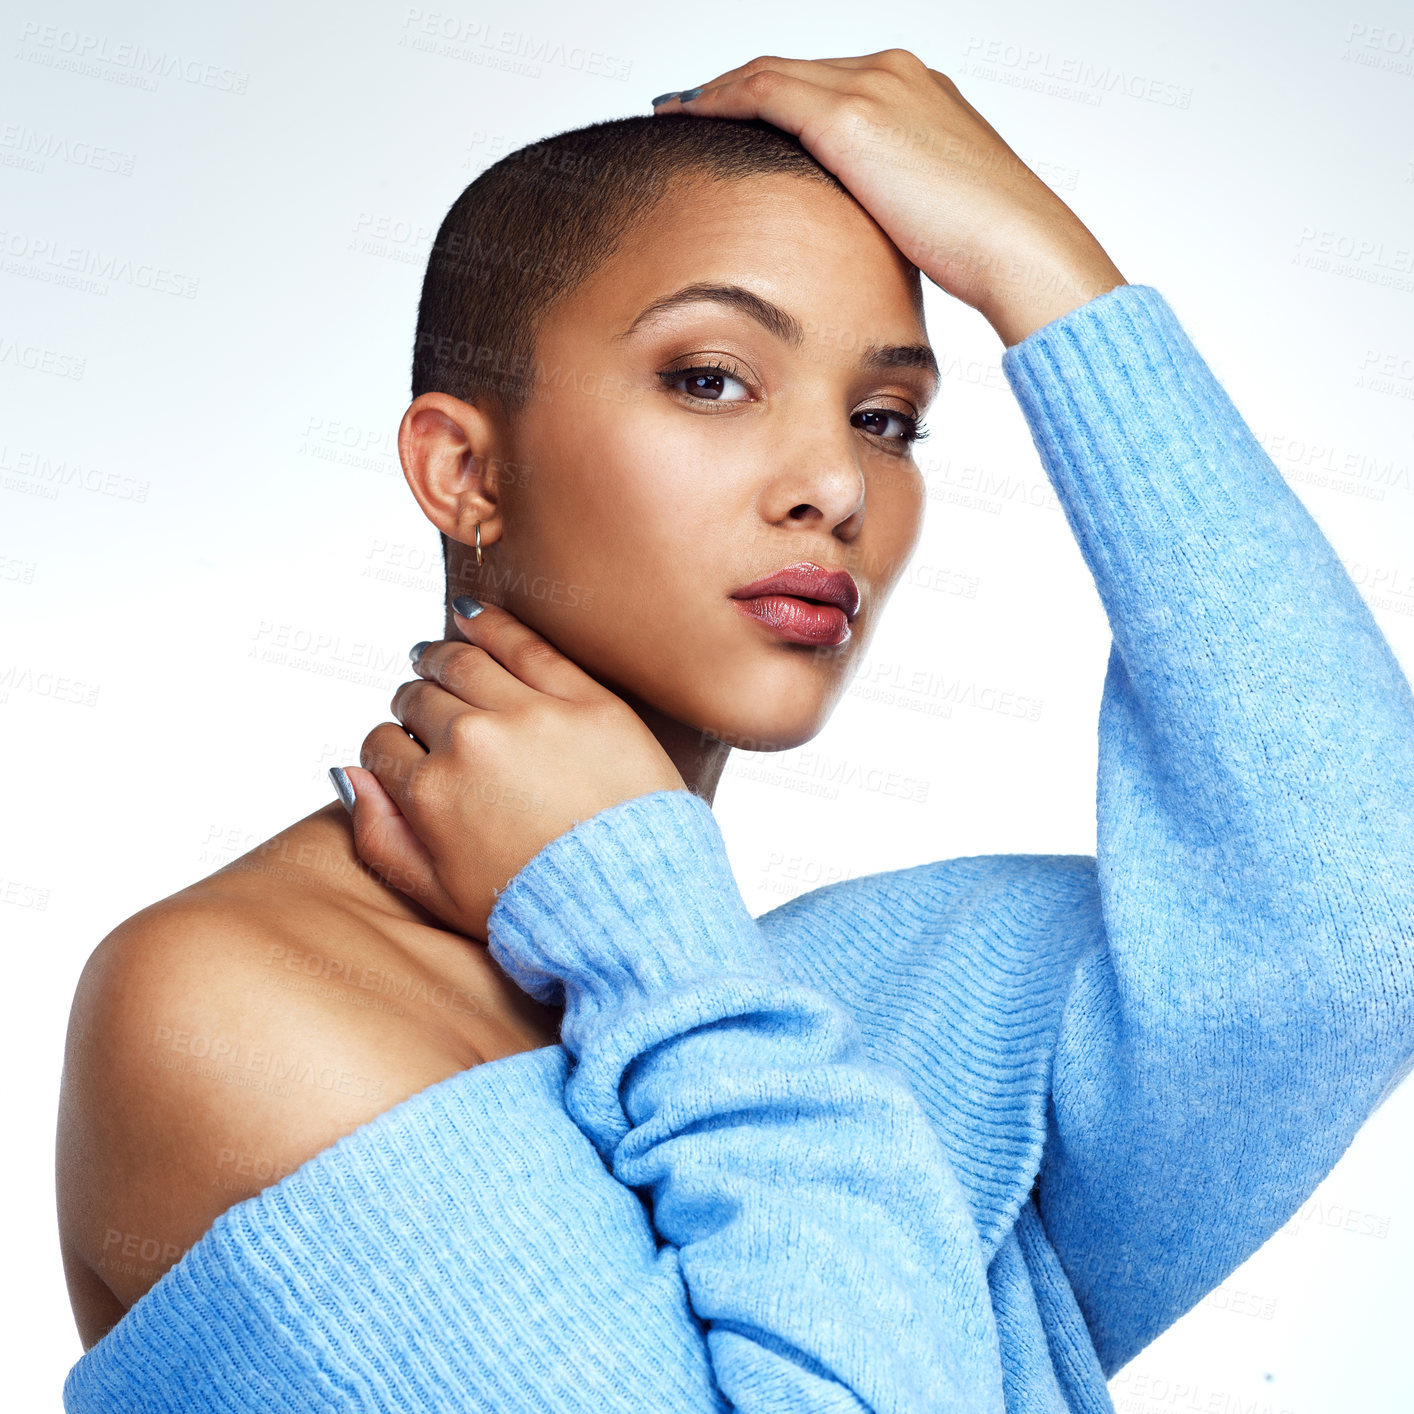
{"x": 822, "y": 1237}
{"x": 824, "y": 1241}
{"x": 1250, "y": 999}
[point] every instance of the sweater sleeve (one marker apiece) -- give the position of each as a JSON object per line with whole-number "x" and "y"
{"x": 824, "y": 1242}
{"x": 1249, "y": 996}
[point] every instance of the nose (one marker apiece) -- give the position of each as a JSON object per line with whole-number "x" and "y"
{"x": 823, "y": 487}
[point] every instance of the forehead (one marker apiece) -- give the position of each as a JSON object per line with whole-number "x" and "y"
{"x": 797, "y": 242}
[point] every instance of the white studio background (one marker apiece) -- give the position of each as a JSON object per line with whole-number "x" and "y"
{"x": 212, "y": 569}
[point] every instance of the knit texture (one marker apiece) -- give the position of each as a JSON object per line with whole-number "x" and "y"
{"x": 964, "y": 1136}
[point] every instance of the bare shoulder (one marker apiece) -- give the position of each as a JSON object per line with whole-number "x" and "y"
{"x": 199, "y": 1069}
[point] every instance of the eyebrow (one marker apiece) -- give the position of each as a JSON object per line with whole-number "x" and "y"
{"x": 874, "y": 358}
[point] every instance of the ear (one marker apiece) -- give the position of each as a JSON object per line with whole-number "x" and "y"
{"x": 447, "y": 450}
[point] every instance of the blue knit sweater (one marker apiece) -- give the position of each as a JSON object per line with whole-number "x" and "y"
{"x": 963, "y": 1136}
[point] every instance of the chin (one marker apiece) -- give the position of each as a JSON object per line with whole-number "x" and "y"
{"x": 743, "y": 697}
{"x": 748, "y": 729}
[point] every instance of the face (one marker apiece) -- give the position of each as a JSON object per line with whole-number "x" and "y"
{"x": 672, "y": 458}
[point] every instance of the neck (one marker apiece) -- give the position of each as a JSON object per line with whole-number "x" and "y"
{"x": 699, "y": 759}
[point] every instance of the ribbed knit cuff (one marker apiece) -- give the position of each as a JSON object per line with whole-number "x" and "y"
{"x": 1143, "y": 446}
{"x": 635, "y": 899}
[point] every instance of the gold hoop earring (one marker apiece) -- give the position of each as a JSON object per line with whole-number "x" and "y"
{"x": 478, "y": 544}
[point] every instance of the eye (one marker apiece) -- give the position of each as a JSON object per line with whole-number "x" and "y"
{"x": 706, "y": 381}
{"x": 707, "y": 378}
{"x": 913, "y": 429}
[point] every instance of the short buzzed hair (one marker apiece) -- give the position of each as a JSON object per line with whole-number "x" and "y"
{"x": 538, "y": 223}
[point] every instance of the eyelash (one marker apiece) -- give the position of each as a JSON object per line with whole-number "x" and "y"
{"x": 915, "y": 429}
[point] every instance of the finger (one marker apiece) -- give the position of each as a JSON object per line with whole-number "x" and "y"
{"x": 389, "y": 846}
{"x": 470, "y": 673}
{"x": 530, "y": 656}
{"x": 428, "y": 710}
{"x": 791, "y": 101}
{"x": 389, "y": 754}
{"x": 895, "y": 58}
{"x": 796, "y": 68}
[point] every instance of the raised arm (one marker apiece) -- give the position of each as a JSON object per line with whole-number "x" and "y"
{"x": 1249, "y": 997}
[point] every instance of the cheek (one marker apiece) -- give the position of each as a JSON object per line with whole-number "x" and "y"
{"x": 652, "y": 483}
{"x": 895, "y": 502}
{"x": 608, "y": 510}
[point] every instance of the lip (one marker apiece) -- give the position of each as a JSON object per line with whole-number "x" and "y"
{"x": 806, "y": 580}
{"x": 803, "y": 603}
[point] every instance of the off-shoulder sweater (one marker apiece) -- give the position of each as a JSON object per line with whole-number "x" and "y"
{"x": 962, "y": 1136}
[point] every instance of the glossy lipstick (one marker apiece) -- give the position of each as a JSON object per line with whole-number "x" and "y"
{"x": 803, "y": 603}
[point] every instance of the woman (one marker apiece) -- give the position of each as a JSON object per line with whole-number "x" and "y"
{"x": 963, "y": 1136}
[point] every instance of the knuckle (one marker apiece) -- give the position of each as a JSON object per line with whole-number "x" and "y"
{"x": 859, "y": 109}
{"x": 890, "y": 81}
{"x": 762, "y": 82}
{"x": 537, "y": 653}
{"x": 460, "y": 667}
{"x": 464, "y": 733}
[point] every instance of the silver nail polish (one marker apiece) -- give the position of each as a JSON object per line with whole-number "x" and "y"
{"x": 343, "y": 785}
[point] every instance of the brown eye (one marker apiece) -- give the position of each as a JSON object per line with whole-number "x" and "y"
{"x": 913, "y": 430}
{"x": 705, "y": 381}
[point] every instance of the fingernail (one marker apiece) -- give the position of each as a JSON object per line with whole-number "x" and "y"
{"x": 466, "y": 606}
{"x": 343, "y": 785}
{"x": 662, "y": 98}
{"x": 415, "y": 652}
{"x": 688, "y": 94}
